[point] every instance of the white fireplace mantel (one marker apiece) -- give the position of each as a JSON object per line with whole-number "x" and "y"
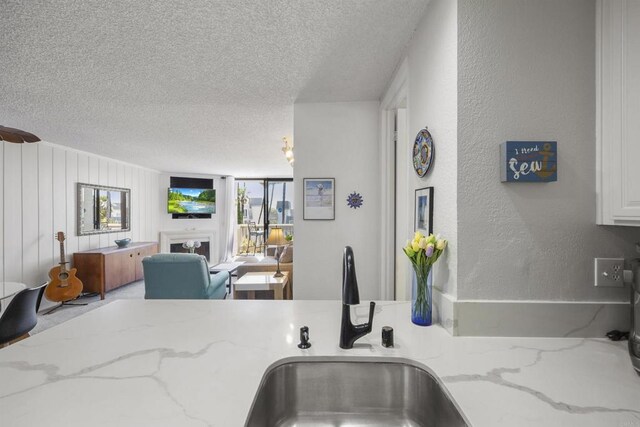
{"x": 169, "y": 237}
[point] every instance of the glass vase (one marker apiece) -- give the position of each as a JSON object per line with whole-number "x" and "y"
{"x": 421, "y": 296}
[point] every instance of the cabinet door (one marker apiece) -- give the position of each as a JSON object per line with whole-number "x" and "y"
{"x": 618, "y": 104}
{"x": 140, "y": 254}
{"x": 129, "y": 267}
{"x": 119, "y": 269}
{"x": 90, "y": 270}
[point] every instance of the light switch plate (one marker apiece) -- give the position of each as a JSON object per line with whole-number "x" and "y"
{"x": 609, "y": 272}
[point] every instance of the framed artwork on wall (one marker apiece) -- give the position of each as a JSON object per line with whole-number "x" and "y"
{"x": 423, "y": 209}
{"x": 319, "y": 199}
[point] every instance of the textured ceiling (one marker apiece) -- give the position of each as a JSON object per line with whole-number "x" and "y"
{"x": 191, "y": 86}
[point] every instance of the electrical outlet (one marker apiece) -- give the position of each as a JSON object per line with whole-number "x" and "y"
{"x": 609, "y": 272}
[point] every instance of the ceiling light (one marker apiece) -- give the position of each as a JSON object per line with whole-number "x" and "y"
{"x": 288, "y": 150}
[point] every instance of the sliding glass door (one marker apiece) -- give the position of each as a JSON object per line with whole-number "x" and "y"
{"x": 261, "y": 205}
{"x": 279, "y": 204}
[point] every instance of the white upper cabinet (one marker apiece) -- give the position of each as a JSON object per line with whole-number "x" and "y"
{"x": 618, "y": 112}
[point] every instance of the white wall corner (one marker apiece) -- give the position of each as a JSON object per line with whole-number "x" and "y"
{"x": 444, "y": 311}
{"x": 394, "y": 97}
{"x": 396, "y": 90}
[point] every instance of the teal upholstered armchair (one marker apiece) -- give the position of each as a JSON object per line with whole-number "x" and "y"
{"x": 181, "y": 276}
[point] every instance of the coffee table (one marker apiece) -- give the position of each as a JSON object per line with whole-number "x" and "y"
{"x": 229, "y": 267}
{"x": 225, "y": 266}
{"x": 247, "y": 285}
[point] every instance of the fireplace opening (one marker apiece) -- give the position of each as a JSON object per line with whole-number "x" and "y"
{"x": 202, "y": 250}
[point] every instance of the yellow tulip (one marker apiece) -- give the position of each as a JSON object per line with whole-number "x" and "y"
{"x": 415, "y": 246}
{"x": 441, "y": 244}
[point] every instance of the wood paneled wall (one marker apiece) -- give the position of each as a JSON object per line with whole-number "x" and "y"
{"x": 38, "y": 198}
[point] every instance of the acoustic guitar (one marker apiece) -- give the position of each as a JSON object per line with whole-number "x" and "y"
{"x": 64, "y": 285}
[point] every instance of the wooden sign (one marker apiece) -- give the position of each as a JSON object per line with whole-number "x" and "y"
{"x": 529, "y": 161}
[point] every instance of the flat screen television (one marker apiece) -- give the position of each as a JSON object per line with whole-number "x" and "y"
{"x": 191, "y": 201}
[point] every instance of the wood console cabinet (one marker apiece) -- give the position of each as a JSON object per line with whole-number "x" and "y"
{"x": 104, "y": 269}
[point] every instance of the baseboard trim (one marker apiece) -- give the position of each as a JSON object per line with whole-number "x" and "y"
{"x": 534, "y": 318}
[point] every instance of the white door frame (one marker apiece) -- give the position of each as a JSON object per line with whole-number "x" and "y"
{"x": 396, "y": 96}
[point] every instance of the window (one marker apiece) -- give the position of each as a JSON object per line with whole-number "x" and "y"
{"x": 262, "y": 204}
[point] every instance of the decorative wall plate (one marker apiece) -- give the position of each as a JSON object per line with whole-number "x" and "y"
{"x": 423, "y": 152}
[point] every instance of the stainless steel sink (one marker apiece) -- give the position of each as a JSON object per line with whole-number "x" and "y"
{"x": 350, "y": 391}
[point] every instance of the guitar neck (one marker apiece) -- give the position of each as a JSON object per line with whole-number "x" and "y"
{"x": 63, "y": 261}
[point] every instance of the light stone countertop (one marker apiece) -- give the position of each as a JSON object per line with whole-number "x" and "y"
{"x": 199, "y": 363}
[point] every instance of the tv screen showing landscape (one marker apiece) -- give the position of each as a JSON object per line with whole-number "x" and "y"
{"x": 191, "y": 201}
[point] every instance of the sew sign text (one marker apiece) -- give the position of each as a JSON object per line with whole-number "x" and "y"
{"x": 529, "y": 161}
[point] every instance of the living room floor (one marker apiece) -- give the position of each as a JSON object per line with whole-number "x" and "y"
{"x": 133, "y": 290}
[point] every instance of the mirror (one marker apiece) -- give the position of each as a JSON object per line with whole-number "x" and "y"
{"x": 102, "y": 209}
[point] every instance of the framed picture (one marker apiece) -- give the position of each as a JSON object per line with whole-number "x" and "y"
{"x": 423, "y": 219}
{"x": 319, "y": 198}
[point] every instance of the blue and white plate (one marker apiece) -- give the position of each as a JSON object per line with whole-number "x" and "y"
{"x": 423, "y": 152}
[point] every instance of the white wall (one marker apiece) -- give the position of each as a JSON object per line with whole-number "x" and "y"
{"x": 521, "y": 258}
{"x": 424, "y": 88}
{"x": 337, "y": 140}
{"x": 38, "y": 199}
{"x": 527, "y": 72}
{"x": 432, "y": 102}
{"x": 167, "y": 223}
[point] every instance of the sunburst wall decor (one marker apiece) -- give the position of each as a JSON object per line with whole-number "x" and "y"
{"x": 354, "y": 200}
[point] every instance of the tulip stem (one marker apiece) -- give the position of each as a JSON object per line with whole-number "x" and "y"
{"x": 422, "y": 304}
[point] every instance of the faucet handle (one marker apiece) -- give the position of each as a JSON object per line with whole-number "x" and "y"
{"x": 372, "y": 309}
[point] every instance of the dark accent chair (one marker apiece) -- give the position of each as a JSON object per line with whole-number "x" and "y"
{"x": 20, "y": 317}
